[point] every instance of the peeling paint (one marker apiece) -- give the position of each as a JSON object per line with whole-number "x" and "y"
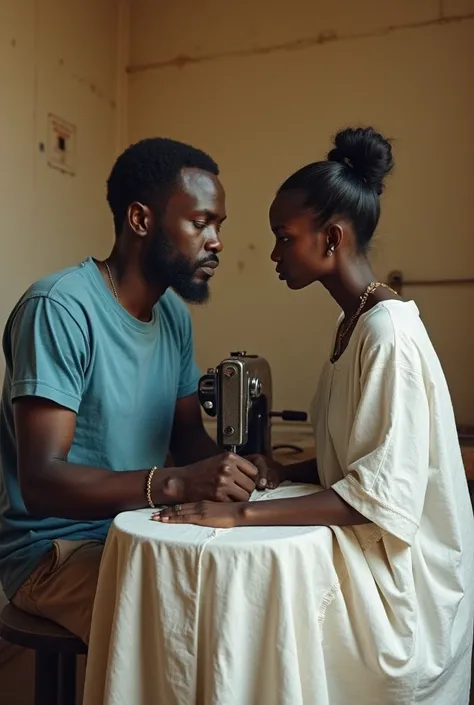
{"x": 324, "y": 37}
{"x": 252, "y": 247}
{"x": 240, "y": 266}
{"x": 92, "y": 88}
{"x": 13, "y": 43}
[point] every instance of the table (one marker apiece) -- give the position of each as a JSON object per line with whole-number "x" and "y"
{"x": 188, "y": 615}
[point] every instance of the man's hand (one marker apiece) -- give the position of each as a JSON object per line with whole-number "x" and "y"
{"x": 222, "y": 478}
{"x": 270, "y": 472}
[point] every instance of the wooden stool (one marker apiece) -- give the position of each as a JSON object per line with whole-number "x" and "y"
{"x": 55, "y": 654}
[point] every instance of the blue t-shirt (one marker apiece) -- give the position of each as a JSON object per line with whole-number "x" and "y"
{"x": 68, "y": 340}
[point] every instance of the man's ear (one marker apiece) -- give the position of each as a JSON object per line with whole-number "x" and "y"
{"x": 140, "y": 218}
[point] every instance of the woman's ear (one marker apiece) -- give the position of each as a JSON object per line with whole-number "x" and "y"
{"x": 334, "y": 235}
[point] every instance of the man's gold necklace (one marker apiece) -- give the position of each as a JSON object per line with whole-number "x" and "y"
{"x": 112, "y": 283}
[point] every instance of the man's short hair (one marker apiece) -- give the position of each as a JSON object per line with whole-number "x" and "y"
{"x": 147, "y": 166}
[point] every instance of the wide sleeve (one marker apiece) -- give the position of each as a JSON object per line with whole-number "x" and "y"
{"x": 49, "y": 353}
{"x": 388, "y": 451}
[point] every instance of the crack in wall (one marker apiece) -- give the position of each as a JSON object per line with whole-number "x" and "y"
{"x": 322, "y": 38}
{"x": 93, "y": 88}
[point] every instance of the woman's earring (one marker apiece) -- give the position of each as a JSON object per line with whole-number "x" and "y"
{"x": 330, "y": 250}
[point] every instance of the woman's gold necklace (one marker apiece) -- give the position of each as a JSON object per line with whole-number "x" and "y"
{"x": 344, "y": 330}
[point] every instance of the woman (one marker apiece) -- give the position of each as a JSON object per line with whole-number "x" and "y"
{"x": 388, "y": 457}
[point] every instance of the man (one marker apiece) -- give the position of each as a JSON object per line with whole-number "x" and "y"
{"x": 100, "y": 377}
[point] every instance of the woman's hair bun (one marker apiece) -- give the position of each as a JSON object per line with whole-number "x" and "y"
{"x": 366, "y": 152}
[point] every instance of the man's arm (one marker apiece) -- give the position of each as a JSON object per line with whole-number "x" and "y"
{"x": 52, "y": 487}
{"x": 305, "y": 472}
{"x": 271, "y": 472}
{"x": 189, "y": 440}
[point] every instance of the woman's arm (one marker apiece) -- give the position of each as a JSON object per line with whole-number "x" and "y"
{"x": 319, "y": 509}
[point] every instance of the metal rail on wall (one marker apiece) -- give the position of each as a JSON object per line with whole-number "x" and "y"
{"x": 397, "y": 281}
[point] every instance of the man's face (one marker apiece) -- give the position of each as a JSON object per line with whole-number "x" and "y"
{"x": 185, "y": 243}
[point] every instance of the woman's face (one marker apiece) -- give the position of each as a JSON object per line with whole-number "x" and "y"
{"x": 300, "y": 251}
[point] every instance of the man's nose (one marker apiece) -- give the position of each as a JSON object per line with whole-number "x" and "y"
{"x": 275, "y": 256}
{"x": 213, "y": 243}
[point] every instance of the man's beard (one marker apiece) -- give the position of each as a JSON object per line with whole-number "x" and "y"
{"x": 164, "y": 265}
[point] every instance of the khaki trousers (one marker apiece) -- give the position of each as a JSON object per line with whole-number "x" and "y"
{"x": 62, "y": 587}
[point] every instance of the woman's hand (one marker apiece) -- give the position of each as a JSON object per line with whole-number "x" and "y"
{"x": 219, "y": 515}
{"x": 270, "y": 472}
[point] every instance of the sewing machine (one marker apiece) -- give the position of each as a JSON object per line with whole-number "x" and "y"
{"x": 238, "y": 392}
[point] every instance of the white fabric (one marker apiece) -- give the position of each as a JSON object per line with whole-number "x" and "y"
{"x": 188, "y": 615}
{"x": 377, "y": 614}
{"x": 387, "y": 443}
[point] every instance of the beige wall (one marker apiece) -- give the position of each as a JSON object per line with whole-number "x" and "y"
{"x": 64, "y": 58}
{"x": 262, "y": 86}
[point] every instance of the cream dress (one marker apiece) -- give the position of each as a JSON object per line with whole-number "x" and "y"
{"x": 399, "y": 628}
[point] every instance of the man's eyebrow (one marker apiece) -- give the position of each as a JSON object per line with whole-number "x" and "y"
{"x": 210, "y": 215}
